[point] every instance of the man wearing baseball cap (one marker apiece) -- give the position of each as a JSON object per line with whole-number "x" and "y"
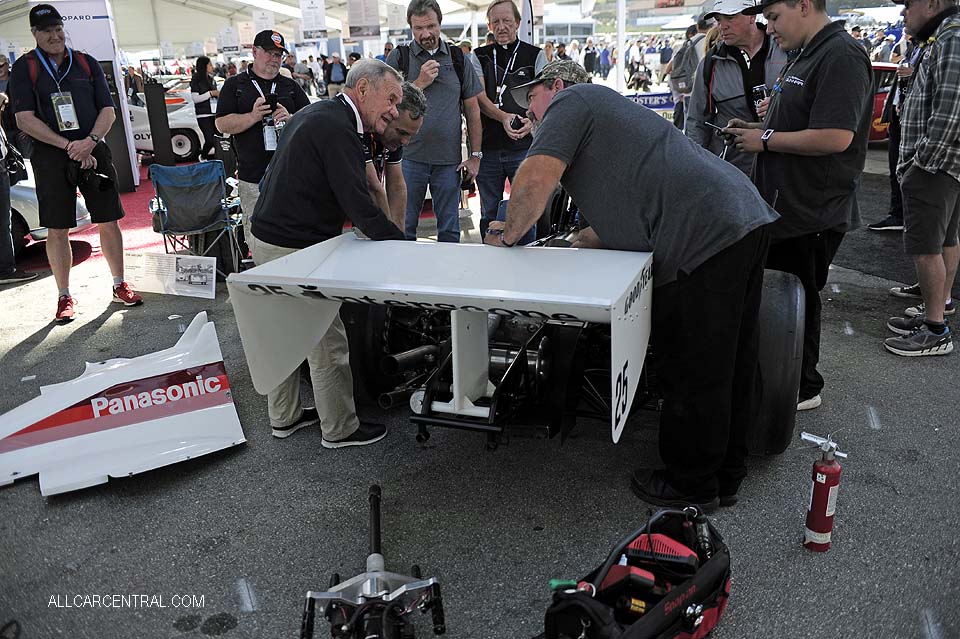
{"x": 811, "y": 148}
{"x": 246, "y": 102}
{"x": 732, "y": 78}
{"x": 707, "y": 264}
{"x": 61, "y": 100}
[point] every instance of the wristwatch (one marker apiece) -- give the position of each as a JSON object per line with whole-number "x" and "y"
{"x": 96, "y": 138}
{"x": 766, "y": 136}
{"x": 477, "y": 154}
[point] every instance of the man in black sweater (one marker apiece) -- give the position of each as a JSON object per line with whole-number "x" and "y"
{"x": 314, "y": 183}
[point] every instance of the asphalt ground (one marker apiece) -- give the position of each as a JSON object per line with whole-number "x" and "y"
{"x": 252, "y": 528}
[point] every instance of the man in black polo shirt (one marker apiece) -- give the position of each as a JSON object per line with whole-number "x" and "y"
{"x": 244, "y": 107}
{"x": 62, "y": 101}
{"x": 315, "y": 182}
{"x": 384, "y": 154}
{"x": 812, "y": 146}
{"x": 506, "y": 64}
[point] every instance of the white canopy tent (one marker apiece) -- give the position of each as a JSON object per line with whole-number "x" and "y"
{"x": 144, "y": 24}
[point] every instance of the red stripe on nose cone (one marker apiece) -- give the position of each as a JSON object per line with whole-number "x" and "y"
{"x": 129, "y": 403}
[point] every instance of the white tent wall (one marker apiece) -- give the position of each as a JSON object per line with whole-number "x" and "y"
{"x": 180, "y": 22}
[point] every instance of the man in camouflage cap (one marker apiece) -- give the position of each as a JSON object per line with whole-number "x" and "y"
{"x": 567, "y": 70}
{"x": 707, "y": 264}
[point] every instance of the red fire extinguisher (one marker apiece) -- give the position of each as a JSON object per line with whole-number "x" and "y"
{"x": 823, "y": 494}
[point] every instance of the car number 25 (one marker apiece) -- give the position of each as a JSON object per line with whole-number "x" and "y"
{"x": 620, "y": 400}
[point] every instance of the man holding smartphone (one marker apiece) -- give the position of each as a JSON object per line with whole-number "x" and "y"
{"x": 250, "y": 106}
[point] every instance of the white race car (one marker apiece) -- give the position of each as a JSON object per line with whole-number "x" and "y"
{"x": 25, "y": 212}
{"x": 185, "y": 134}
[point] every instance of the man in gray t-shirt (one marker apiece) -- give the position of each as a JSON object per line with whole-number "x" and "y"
{"x": 433, "y": 156}
{"x": 706, "y": 225}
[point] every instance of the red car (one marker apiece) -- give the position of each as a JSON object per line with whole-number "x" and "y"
{"x": 884, "y": 74}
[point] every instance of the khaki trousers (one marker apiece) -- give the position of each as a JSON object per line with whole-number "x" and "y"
{"x": 249, "y": 194}
{"x": 330, "y": 374}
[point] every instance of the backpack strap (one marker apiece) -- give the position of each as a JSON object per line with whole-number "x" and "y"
{"x": 708, "y": 64}
{"x": 457, "y": 54}
{"x": 85, "y": 63}
{"x": 404, "y": 60}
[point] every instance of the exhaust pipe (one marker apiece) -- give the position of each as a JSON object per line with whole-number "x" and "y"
{"x": 389, "y": 400}
{"x": 408, "y": 360}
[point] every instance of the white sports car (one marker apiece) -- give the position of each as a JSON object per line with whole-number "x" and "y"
{"x": 185, "y": 134}
{"x": 25, "y": 212}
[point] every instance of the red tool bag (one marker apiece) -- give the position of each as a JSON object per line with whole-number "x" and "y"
{"x": 668, "y": 580}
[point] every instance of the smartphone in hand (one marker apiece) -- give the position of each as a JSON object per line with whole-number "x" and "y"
{"x": 272, "y": 100}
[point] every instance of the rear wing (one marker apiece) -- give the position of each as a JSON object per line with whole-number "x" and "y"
{"x": 284, "y": 307}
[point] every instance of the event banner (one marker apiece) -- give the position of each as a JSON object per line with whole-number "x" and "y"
{"x": 229, "y": 40}
{"x": 313, "y": 20}
{"x": 262, "y": 20}
{"x": 396, "y": 19}
{"x": 186, "y": 275}
{"x": 364, "y": 18}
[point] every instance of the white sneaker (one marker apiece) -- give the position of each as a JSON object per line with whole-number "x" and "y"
{"x": 810, "y": 404}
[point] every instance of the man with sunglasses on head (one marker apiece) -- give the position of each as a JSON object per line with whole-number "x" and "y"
{"x": 246, "y": 102}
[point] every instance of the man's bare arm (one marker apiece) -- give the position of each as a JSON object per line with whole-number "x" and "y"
{"x": 396, "y": 194}
{"x": 377, "y": 194}
{"x": 37, "y": 129}
{"x": 535, "y": 182}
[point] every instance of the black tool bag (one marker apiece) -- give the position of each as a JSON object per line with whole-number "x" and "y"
{"x": 685, "y": 603}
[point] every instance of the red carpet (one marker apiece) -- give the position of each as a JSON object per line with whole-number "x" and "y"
{"x": 137, "y": 230}
{"x": 137, "y": 227}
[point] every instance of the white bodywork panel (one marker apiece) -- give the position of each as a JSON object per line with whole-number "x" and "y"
{"x": 284, "y": 307}
{"x": 124, "y": 416}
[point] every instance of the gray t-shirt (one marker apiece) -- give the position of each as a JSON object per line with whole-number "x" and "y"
{"x": 642, "y": 185}
{"x": 438, "y": 141}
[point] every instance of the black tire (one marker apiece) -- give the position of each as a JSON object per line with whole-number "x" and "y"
{"x": 186, "y": 145}
{"x": 782, "y": 311}
{"x": 19, "y": 231}
{"x": 365, "y": 326}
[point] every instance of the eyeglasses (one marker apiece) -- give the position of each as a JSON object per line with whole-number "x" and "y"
{"x": 276, "y": 55}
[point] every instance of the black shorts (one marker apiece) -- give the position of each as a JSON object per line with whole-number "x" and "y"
{"x": 931, "y": 211}
{"x": 58, "y": 198}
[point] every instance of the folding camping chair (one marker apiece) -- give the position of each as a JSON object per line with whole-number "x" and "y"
{"x": 190, "y": 205}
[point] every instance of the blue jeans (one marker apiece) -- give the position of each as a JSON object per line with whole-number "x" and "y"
{"x": 445, "y": 192}
{"x": 495, "y": 168}
{"x": 7, "y": 265}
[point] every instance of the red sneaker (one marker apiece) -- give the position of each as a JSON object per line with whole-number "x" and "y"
{"x": 125, "y": 295}
{"x": 65, "y": 310}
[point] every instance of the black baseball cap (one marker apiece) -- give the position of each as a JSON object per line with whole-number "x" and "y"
{"x": 270, "y": 39}
{"x": 44, "y": 15}
{"x": 759, "y": 7}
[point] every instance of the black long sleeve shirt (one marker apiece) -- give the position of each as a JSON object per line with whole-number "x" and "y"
{"x": 316, "y": 181}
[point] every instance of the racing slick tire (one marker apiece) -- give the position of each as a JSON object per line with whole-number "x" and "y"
{"x": 782, "y": 310}
{"x": 366, "y": 328}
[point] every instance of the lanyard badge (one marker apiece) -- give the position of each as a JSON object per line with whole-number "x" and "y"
{"x": 63, "y": 107}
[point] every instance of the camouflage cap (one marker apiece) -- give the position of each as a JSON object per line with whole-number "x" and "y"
{"x": 566, "y": 70}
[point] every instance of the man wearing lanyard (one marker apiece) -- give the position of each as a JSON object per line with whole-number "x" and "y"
{"x": 62, "y": 101}
{"x": 811, "y": 149}
{"x": 250, "y": 106}
{"x": 315, "y": 182}
{"x": 434, "y": 155}
{"x": 507, "y": 63}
